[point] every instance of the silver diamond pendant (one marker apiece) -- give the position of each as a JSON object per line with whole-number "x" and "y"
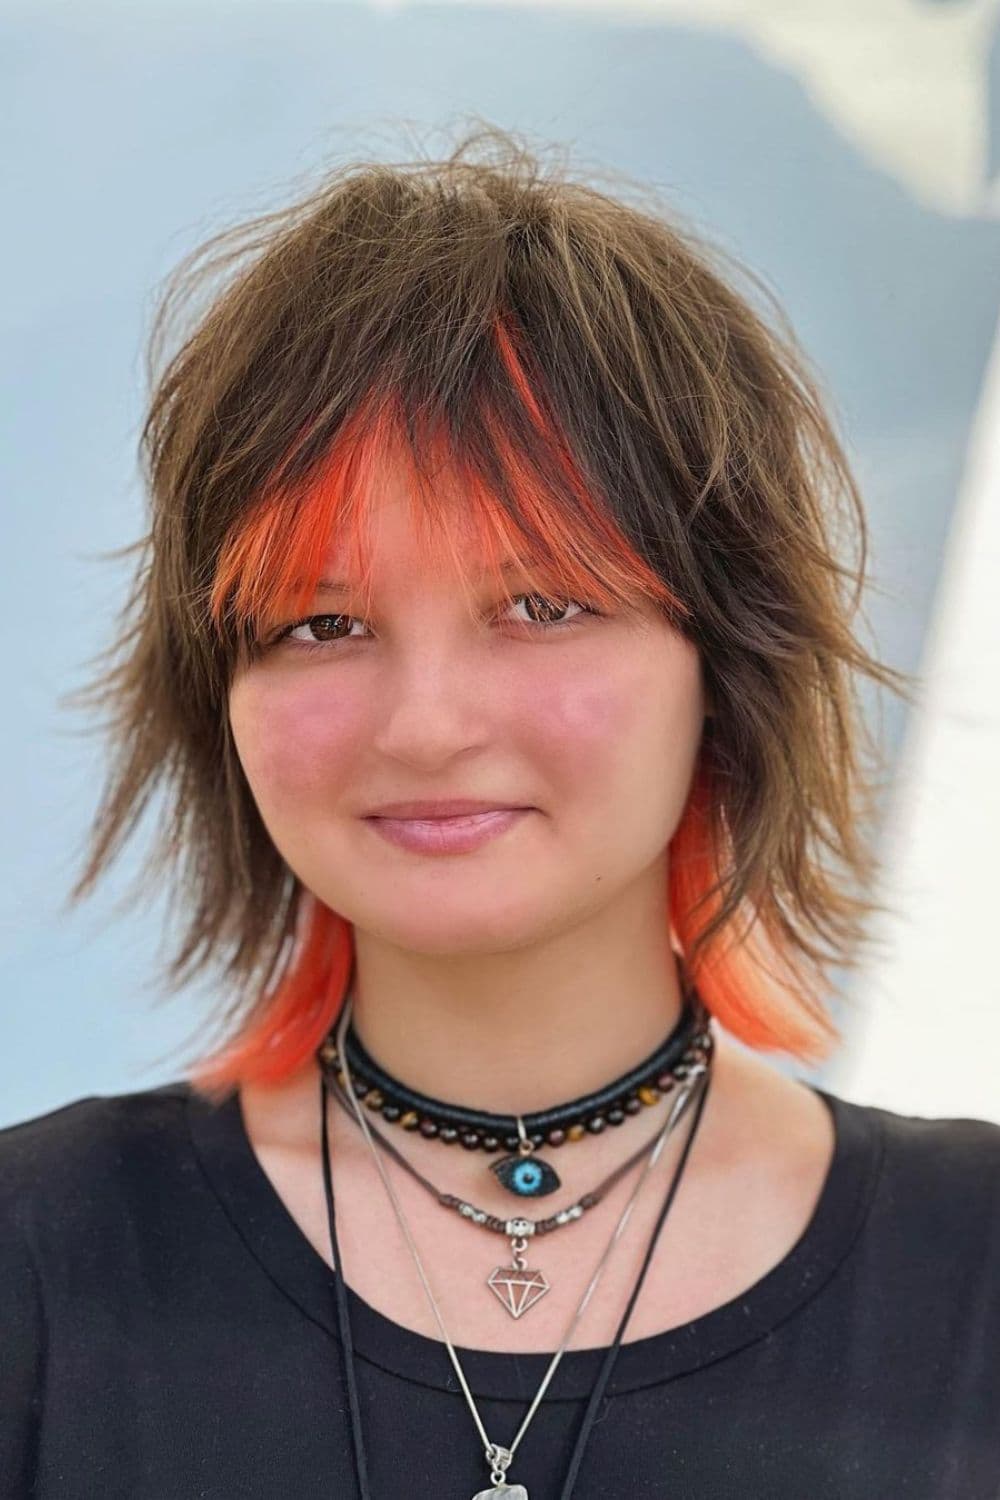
{"x": 517, "y": 1287}
{"x": 512, "y": 1491}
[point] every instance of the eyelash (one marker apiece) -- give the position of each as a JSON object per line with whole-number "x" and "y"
{"x": 528, "y": 625}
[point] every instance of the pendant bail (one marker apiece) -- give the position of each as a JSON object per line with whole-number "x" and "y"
{"x": 499, "y": 1460}
{"x": 525, "y": 1144}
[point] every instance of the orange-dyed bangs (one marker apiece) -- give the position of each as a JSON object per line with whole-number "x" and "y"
{"x": 473, "y": 503}
{"x": 468, "y": 515}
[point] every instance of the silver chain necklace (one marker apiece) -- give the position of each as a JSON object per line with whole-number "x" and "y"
{"x": 498, "y": 1457}
{"x": 517, "y": 1287}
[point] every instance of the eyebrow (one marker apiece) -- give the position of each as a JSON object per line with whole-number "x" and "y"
{"x": 342, "y": 586}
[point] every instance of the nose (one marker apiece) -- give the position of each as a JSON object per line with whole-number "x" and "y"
{"x": 435, "y": 704}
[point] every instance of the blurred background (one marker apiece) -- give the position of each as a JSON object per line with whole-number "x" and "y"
{"x": 847, "y": 151}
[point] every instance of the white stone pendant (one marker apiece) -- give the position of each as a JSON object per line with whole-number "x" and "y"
{"x": 512, "y": 1492}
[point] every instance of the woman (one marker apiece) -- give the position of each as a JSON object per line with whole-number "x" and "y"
{"x": 492, "y": 646}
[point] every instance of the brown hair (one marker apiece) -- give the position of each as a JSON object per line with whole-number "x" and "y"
{"x": 610, "y": 404}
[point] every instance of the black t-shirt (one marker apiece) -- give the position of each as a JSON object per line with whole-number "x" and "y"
{"x": 169, "y": 1332}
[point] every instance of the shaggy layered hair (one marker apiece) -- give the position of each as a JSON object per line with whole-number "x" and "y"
{"x": 576, "y": 378}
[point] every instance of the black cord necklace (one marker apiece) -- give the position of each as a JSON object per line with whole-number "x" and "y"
{"x": 502, "y": 1456}
{"x": 524, "y": 1174}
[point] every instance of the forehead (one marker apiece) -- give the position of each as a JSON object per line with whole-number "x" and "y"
{"x": 402, "y": 531}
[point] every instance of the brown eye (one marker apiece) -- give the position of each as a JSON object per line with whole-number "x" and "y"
{"x": 317, "y": 629}
{"x": 543, "y": 608}
{"x": 325, "y": 627}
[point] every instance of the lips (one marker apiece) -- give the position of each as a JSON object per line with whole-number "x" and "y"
{"x": 451, "y": 808}
{"x": 458, "y": 834}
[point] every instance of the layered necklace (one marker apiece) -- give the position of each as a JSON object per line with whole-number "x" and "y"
{"x": 679, "y": 1071}
{"x": 524, "y": 1174}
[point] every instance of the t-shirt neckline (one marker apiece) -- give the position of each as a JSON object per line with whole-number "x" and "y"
{"x": 276, "y": 1242}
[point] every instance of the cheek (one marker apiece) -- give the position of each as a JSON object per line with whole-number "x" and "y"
{"x": 290, "y": 742}
{"x": 621, "y": 721}
{"x": 573, "y": 724}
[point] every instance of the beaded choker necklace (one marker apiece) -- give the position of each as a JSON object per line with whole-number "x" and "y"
{"x": 523, "y": 1174}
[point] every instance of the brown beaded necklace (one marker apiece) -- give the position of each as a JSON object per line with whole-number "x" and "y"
{"x": 524, "y": 1174}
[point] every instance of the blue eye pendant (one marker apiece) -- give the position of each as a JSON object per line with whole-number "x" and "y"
{"x": 526, "y": 1178}
{"x": 525, "y": 1175}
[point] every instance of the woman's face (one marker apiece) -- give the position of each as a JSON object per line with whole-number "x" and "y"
{"x": 592, "y": 726}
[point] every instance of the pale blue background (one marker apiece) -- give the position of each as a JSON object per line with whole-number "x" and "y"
{"x": 132, "y": 133}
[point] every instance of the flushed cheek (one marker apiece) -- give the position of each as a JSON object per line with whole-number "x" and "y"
{"x": 291, "y": 743}
{"x": 629, "y": 726}
{"x": 576, "y": 728}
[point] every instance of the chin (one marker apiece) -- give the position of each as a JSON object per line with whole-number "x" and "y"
{"x": 437, "y": 927}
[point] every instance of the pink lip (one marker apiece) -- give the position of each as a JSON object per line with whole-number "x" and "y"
{"x": 441, "y": 808}
{"x": 455, "y": 835}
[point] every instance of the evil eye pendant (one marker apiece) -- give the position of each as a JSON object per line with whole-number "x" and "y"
{"x": 527, "y": 1176}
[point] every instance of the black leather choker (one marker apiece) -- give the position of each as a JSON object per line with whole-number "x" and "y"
{"x": 525, "y": 1174}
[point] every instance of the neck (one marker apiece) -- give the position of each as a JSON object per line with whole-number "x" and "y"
{"x": 524, "y": 1030}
